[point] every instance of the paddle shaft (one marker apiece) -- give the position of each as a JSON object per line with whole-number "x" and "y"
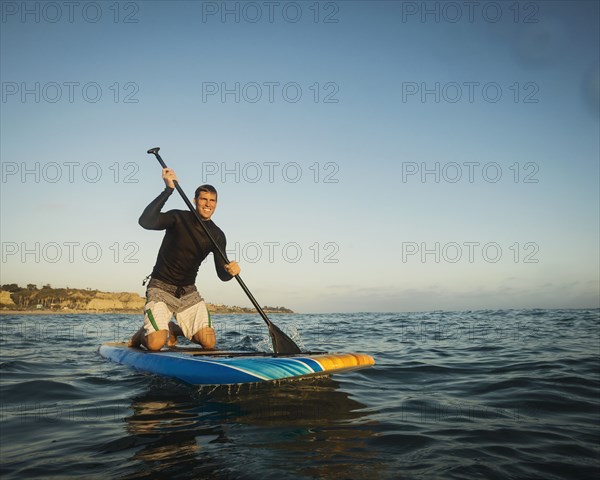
{"x": 214, "y": 242}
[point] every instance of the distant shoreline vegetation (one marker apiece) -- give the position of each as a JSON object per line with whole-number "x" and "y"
{"x": 30, "y": 299}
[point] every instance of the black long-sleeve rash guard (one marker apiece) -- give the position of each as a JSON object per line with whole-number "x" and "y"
{"x": 184, "y": 246}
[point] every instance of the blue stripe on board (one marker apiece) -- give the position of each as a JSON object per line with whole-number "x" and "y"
{"x": 311, "y": 362}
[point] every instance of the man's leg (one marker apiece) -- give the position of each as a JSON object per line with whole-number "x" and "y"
{"x": 136, "y": 339}
{"x": 195, "y": 324}
{"x": 153, "y": 341}
{"x": 206, "y": 337}
{"x": 153, "y": 335}
{"x": 174, "y": 332}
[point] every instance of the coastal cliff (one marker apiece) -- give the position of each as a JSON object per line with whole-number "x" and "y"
{"x": 6, "y": 300}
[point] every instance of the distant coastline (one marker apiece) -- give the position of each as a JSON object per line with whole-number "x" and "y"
{"x": 5, "y": 311}
{"x": 229, "y": 310}
{"x": 16, "y": 300}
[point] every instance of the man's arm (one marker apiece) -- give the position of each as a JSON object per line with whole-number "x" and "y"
{"x": 151, "y": 218}
{"x": 225, "y": 271}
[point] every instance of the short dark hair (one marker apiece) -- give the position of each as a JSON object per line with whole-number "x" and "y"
{"x": 205, "y": 188}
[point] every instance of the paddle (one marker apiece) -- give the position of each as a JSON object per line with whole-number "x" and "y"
{"x": 282, "y": 344}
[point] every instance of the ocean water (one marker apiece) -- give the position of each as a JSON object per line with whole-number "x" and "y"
{"x": 505, "y": 394}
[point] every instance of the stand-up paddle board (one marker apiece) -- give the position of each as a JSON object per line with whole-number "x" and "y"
{"x": 201, "y": 367}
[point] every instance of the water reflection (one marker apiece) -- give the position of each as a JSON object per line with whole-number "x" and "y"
{"x": 307, "y": 428}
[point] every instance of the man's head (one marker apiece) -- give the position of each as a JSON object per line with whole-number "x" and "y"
{"x": 205, "y": 199}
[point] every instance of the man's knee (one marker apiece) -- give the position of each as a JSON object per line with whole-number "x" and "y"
{"x": 156, "y": 340}
{"x": 206, "y": 337}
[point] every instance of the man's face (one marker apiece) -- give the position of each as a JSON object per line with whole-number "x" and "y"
{"x": 206, "y": 204}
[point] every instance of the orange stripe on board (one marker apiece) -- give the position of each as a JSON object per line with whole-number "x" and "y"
{"x": 344, "y": 360}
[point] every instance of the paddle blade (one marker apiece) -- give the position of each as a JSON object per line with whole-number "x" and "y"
{"x": 282, "y": 344}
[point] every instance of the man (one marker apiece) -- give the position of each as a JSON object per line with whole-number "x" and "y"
{"x": 171, "y": 290}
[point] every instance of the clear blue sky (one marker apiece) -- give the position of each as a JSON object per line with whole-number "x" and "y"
{"x": 369, "y": 156}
